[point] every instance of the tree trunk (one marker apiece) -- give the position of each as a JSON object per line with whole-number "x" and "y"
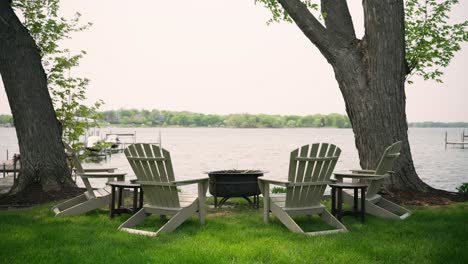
{"x": 371, "y": 76}
{"x": 375, "y": 105}
{"x": 372, "y": 81}
{"x": 42, "y": 154}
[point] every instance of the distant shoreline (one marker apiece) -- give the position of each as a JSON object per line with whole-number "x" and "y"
{"x": 134, "y": 118}
{"x": 431, "y": 124}
{"x": 144, "y": 126}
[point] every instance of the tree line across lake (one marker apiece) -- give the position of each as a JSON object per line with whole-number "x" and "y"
{"x": 132, "y": 117}
{"x": 158, "y": 118}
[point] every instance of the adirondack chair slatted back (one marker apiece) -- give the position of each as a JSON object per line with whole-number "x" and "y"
{"x": 79, "y": 169}
{"x": 153, "y": 164}
{"x": 385, "y": 164}
{"x": 310, "y": 164}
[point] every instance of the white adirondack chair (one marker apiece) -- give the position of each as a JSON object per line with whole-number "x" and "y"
{"x": 310, "y": 168}
{"x": 93, "y": 198}
{"x": 376, "y": 204}
{"x": 153, "y": 168}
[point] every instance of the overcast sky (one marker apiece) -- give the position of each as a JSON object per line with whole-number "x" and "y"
{"x": 219, "y": 56}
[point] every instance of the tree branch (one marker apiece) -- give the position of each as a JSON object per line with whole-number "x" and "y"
{"x": 309, "y": 25}
{"x": 338, "y": 19}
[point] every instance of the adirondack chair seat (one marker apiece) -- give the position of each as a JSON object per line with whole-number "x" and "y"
{"x": 394, "y": 211}
{"x": 374, "y": 199}
{"x": 153, "y": 168}
{"x": 106, "y": 191}
{"x": 185, "y": 200}
{"x": 91, "y": 199}
{"x": 375, "y": 203}
{"x": 379, "y": 206}
{"x": 280, "y": 201}
{"x": 310, "y": 168}
{"x": 188, "y": 205}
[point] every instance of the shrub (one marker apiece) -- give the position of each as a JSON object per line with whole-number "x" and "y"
{"x": 463, "y": 189}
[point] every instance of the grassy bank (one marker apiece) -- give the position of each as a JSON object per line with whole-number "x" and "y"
{"x": 431, "y": 235}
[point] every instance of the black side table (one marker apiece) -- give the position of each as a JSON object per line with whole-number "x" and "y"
{"x": 338, "y": 188}
{"x": 120, "y": 186}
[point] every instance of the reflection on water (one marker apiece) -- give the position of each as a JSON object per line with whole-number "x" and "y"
{"x": 197, "y": 150}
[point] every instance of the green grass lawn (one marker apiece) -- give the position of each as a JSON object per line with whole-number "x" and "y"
{"x": 430, "y": 235}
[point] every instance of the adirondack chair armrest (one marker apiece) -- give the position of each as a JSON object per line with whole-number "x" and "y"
{"x": 119, "y": 176}
{"x": 110, "y": 170}
{"x": 359, "y": 171}
{"x": 296, "y": 184}
{"x": 367, "y": 171}
{"x": 292, "y": 184}
{"x": 153, "y": 183}
{"x": 275, "y": 182}
{"x": 339, "y": 176}
{"x": 191, "y": 181}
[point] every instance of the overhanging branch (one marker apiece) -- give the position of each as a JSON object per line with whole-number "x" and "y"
{"x": 309, "y": 25}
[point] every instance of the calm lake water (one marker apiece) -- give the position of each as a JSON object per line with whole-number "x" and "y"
{"x": 197, "y": 150}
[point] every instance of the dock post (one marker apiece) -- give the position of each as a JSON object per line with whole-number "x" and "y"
{"x": 445, "y": 140}
{"x": 464, "y": 136}
{"x": 7, "y": 154}
{"x": 462, "y": 139}
{"x": 4, "y": 169}
{"x": 14, "y": 171}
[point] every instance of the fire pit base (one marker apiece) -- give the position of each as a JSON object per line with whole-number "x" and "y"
{"x": 235, "y": 183}
{"x": 255, "y": 203}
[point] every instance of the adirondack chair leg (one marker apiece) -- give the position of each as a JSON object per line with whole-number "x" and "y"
{"x": 266, "y": 200}
{"x": 285, "y": 218}
{"x": 380, "y": 212}
{"x": 201, "y": 202}
{"x": 70, "y": 203}
{"x": 137, "y": 218}
{"x": 331, "y": 220}
{"x": 85, "y": 207}
{"x": 395, "y": 208}
{"x": 178, "y": 218}
{"x": 383, "y": 208}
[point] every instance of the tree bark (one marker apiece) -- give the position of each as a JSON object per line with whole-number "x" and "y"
{"x": 371, "y": 76}
{"x": 42, "y": 154}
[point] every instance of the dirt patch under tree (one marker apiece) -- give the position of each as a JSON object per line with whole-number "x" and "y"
{"x": 34, "y": 195}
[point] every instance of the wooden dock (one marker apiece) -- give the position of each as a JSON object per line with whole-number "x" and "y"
{"x": 9, "y": 166}
{"x": 462, "y": 143}
{"x": 122, "y": 145}
{"x": 6, "y": 183}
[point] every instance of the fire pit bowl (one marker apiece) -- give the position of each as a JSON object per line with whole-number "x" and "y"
{"x": 234, "y": 183}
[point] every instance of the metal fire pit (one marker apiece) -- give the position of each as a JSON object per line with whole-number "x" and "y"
{"x": 235, "y": 183}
